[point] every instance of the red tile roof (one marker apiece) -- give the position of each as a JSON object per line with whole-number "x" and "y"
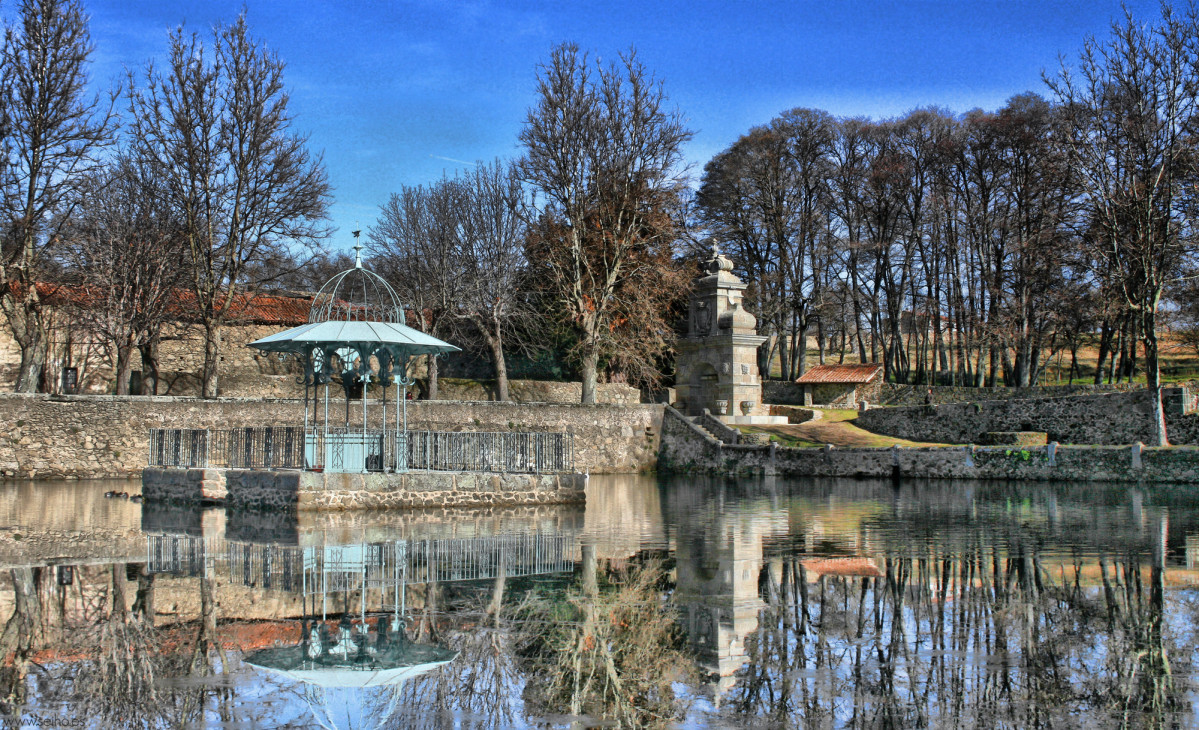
{"x": 285, "y": 310}
{"x": 841, "y": 374}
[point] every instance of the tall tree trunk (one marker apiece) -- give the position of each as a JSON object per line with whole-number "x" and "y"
{"x": 29, "y": 332}
{"x": 799, "y": 359}
{"x": 124, "y": 368}
{"x": 588, "y": 373}
{"x": 150, "y": 375}
{"x": 143, "y": 603}
{"x": 120, "y": 584}
{"x": 1153, "y": 374}
{"x": 33, "y": 358}
{"x": 212, "y": 358}
{"x": 496, "y": 343}
{"x": 432, "y": 368}
{"x": 1105, "y": 343}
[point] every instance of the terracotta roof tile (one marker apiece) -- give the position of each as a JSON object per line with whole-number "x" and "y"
{"x": 841, "y": 374}
{"x": 288, "y": 310}
{"x": 271, "y": 309}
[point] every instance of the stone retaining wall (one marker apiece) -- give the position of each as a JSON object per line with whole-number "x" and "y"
{"x": 535, "y": 391}
{"x": 99, "y": 436}
{"x": 276, "y": 489}
{"x": 683, "y": 450}
{"x": 902, "y": 394}
{"x": 795, "y": 414}
{"x": 1115, "y": 418}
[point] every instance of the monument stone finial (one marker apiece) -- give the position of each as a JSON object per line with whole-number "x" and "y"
{"x": 719, "y": 262}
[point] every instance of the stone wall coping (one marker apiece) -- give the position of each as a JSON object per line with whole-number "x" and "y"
{"x": 100, "y": 398}
{"x": 938, "y": 449}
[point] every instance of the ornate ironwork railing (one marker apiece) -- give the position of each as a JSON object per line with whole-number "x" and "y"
{"x": 528, "y": 453}
{"x": 353, "y": 450}
{"x": 334, "y": 568}
{"x": 263, "y": 447}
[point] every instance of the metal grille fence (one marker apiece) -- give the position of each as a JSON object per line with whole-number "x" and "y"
{"x": 285, "y": 447}
{"x": 177, "y": 554}
{"x": 340, "y": 568}
{"x": 532, "y": 453}
{"x": 264, "y": 447}
{"x": 178, "y": 447}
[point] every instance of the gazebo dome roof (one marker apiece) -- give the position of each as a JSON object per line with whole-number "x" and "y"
{"x": 357, "y": 295}
{"x": 356, "y": 309}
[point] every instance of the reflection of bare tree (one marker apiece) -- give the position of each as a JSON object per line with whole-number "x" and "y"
{"x": 121, "y": 689}
{"x": 973, "y": 636}
{"x": 22, "y": 634}
{"x": 612, "y": 652}
{"x": 478, "y": 688}
{"x": 137, "y": 677}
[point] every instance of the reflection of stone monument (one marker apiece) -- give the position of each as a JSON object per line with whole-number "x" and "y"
{"x": 717, "y": 366}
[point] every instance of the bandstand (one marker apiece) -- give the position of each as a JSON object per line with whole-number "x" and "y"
{"x": 355, "y": 452}
{"x": 356, "y": 328}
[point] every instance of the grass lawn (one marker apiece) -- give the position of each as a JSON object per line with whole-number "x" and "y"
{"x": 836, "y": 427}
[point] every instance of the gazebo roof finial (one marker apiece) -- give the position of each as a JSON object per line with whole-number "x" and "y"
{"x": 357, "y": 250}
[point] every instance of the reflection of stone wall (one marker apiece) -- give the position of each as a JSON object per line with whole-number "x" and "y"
{"x": 96, "y": 436}
{"x": 312, "y": 491}
{"x": 683, "y": 450}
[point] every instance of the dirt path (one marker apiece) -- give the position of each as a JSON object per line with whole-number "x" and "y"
{"x": 836, "y": 428}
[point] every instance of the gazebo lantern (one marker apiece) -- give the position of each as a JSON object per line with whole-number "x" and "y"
{"x": 356, "y": 315}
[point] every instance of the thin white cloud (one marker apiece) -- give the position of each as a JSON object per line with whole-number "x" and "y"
{"x": 451, "y": 159}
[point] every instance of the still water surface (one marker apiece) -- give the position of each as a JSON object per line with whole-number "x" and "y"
{"x": 665, "y": 602}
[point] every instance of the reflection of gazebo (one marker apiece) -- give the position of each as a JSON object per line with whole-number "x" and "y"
{"x": 356, "y": 657}
{"x": 356, "y": 327}
{"x": 338, "y": 672}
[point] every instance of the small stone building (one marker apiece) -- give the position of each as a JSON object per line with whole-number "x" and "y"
{"x": 842, "y": 385}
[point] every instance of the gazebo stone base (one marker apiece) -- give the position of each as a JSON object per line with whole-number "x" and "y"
{"x": 266, "y": 488}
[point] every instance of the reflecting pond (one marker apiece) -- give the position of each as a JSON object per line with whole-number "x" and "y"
{"x": 665, "y": 602}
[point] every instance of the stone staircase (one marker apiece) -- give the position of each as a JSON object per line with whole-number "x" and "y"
{"x": 698, "y": 421}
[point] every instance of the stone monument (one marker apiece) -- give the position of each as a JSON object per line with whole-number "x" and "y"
{"x": 717, "y": 364}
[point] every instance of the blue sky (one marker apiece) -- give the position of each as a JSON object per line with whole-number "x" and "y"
{"x": 398, "y": 93}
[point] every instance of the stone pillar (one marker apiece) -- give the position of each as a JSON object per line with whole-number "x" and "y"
{"x": 717, "y": 360}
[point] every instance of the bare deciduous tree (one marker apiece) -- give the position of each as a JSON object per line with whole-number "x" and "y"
{"x": 416, "y": 246}
{"x": 493, "y": 261}
{"x": 130, "y": 256}
{"x": 1130, "y": 110}
{"x": 602, "y": 152}
{"x": 53, "y": 133}
{"x": 217, "y": 125}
